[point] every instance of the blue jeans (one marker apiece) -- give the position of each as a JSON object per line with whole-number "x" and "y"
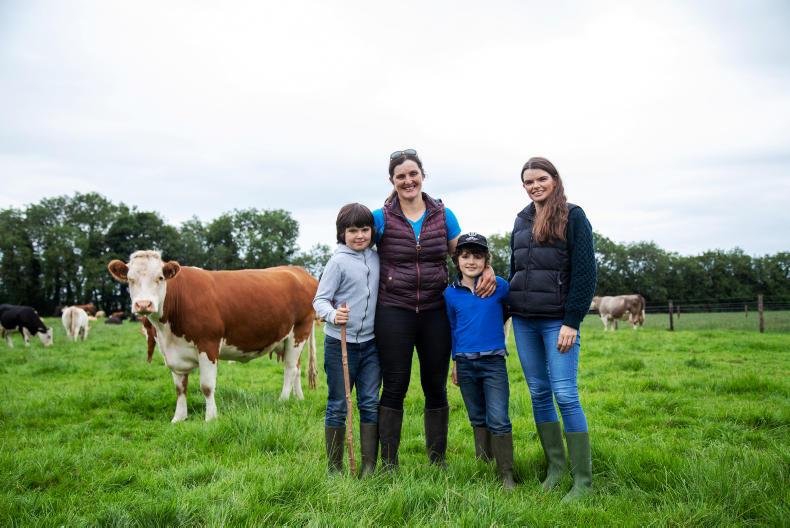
{"x": 549, "y": 373}
{"x": 364, "y": 373}
{"x": 486, "y": 391}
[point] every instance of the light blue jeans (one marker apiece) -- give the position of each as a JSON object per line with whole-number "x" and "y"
{"x": 549, "y": 373}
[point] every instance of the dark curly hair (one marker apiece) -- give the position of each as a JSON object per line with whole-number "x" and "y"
{"x": 474, "y": 250}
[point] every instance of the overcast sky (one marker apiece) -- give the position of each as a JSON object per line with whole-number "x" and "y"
{"x": 668, "y": 121}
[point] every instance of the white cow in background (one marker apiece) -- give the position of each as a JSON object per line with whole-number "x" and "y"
{"x": 619, "y": 307}
{"x": 75, "y": 321}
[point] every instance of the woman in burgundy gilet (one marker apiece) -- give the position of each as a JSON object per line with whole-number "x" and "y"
{"x": 414, "y": 234}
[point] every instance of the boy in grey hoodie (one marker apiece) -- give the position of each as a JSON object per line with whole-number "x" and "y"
{"x": 347, "y": 294}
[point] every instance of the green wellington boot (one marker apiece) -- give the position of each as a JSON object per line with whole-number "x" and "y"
{"x": 390, "y": 423}
{"x": 369, "y": 440}
{"x": 436, "y": 422}
{"x": 502, "y": 446}
{"x": 550, "y": 434}
{"x": 483, "y": 444}
{"x": 334, "y": 448}
{"x": 581, "y": 465}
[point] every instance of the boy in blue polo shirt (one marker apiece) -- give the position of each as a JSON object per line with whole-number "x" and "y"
{"x": 479, "y": 354}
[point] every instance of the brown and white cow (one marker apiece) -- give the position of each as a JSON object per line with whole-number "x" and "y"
{"x": 619, "y": 307}
{"x": 199, "y": 317}
{"x": 89, "y": 308}
{"x": 149, "y": 333}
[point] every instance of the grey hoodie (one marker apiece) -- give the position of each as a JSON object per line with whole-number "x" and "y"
{"x": 349, "y": 277}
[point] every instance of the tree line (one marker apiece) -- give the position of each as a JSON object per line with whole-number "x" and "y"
{"x": 55, "y": 253}
{"x": 712, "y": 277}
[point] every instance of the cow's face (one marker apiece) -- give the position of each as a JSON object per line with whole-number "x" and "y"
{"x": 45, "y": 337}
{"x": 147, "y": 276}
{"x": 594, "y": 303}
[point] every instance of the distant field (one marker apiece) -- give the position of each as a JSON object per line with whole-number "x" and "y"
{"x": 689, "y": 428}
{"x": 778, "y": 321}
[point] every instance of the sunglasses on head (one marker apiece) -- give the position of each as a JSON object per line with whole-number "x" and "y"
{"x": 399, "y": 153}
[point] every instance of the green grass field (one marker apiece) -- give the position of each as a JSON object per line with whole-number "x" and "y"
{"x": 688, "y": 429}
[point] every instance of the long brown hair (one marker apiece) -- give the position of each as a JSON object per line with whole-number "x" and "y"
{"x": 394, "y": 162}
{"x": 552, "y": 218}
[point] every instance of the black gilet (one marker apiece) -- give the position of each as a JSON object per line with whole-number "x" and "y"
{"x": 541, "y": 272}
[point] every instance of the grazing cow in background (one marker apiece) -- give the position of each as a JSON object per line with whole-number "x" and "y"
{"x": 613, "y": 308}
{"x": 75, "y": 321}
{"x": 26, "y": 320}
{"x": 100, "y": 314}
{"x": 112, "y": 320}
{"x": 200, "y": 316}
{"x": 89, "y": 308}
{"x": 120, "y": 314}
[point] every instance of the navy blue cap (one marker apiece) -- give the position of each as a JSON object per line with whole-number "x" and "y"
{"x": 472, "y": 239}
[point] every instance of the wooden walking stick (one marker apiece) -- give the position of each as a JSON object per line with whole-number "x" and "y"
{"x": 352, "y": 462}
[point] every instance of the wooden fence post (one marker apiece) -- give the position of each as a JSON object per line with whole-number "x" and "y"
{"x": 678, "y": 312}
{"x": 745, "y": 311}
{"x": 760, "y": 309}
{"x": 671, "y": 321}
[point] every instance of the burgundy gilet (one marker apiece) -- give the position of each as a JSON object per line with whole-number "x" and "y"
{"x": 413, "y": 273}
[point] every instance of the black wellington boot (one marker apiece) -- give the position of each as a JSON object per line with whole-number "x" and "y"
{"x": 502, "y": 446}
{"x": 390, "y": 423}
{"x": 334, "y": 448}
{"x": 483, "y": 444}
{"x": 436, "y": 423}
{"x": 369, "y": 438}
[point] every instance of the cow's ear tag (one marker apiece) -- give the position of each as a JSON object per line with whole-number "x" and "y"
{"x": 171, "y": 269}
{"x": 118, "y": 269}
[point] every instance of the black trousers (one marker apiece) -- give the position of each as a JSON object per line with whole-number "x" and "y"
{"x": 398, "y": 332}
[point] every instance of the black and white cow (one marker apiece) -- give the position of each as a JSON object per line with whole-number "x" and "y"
{"x": 26, "y": 320}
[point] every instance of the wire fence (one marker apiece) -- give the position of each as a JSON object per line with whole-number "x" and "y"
{"x": 742, "y": 305}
